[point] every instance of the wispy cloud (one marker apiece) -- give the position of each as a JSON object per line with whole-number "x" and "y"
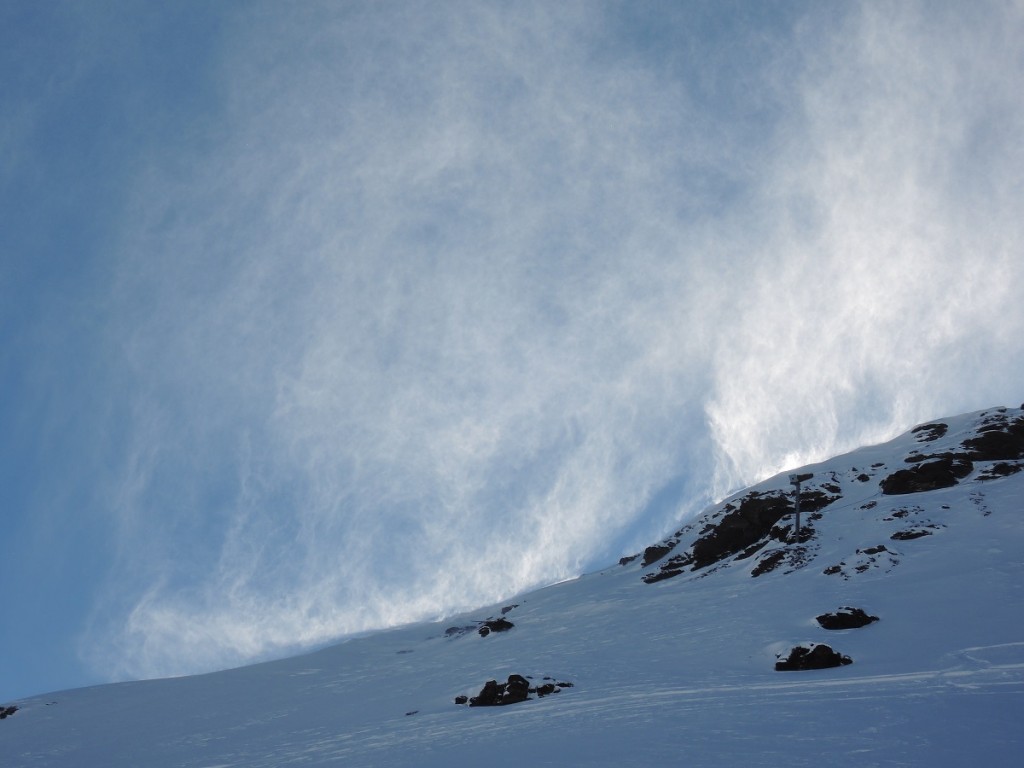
{"x": 440, "y": 302}
{"x": 887, "y": 294}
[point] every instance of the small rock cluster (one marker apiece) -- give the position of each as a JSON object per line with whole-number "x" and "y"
{"x": 494, "y": 625}
{"x": 845, "y": 618}
{"x": 819, "y": 655}
{"x": 517, "y": 688}
{"x": 814, "y": 656}
{"x": 7, "y": 711}
{"x": 998, "y": 438}
{"x": 485, "y": 627}
{"x": 863, "y": 560}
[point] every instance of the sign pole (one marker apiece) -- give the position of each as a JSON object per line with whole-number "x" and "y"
{"x": 796, "y": 480}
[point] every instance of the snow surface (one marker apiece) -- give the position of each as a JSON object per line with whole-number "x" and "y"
{"x": 678, "y": 672}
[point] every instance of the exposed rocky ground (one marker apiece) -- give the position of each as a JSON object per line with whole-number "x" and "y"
{"x": 845, "y": 618}
{"x": 815, "y": 656}
{"x": 515, "y": 689}
{"x": 485, "y": 626}
{"x": 760, "y": 521}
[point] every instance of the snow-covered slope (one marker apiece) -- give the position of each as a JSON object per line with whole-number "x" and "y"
{"x": 666, "y": 659}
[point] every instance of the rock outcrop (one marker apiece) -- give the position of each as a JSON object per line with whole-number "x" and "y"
{"x": 485, "y": 627}
{"x": 942, "y": 472}
{"x": 740, "y": 529}
{"x": 845, "y": 618}
{"x": 495, "y": 625}
{"x": 515, "y": 689}
{"x": 814, "y": 656}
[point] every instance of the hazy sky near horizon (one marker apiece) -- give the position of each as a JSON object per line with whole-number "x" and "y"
{"x": 321, "y": 317}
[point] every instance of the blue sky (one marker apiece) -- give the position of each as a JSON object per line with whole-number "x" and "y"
{"x": 322, "y": 317}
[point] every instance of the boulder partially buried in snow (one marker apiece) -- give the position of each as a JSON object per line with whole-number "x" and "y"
{"x": 815, "y": 656}
{"x": 845, "y": 618}
{"x": 942, "y": 472}
{"x": 517, "y": 688}
{"x": 495, "y": 625}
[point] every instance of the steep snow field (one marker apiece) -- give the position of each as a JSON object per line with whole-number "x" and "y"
{"x": 679, "y": 671}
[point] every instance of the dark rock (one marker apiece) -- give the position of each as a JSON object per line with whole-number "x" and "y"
{"x": 876, "y": 550}
{"x": 909, "y": 535}
{"x": 509, "y": 608}
{"x": 997, "y": 426}
{"x": 671, "y": 567}
{"x": 741, "y": 527}
{"x": 768, "y": 562}
{"x": 661, "y": 575}
{"x": 489, "y": 696}
{"x": 679, "y": 561}
{"x": 655, "y": 552}
{"x": 495, "y": 625}
{"x": 832, "y": 570}
{"x": 1002, "y": 469}
{"x": 512, "y": 691}
{"x": 1001, "y": 441}
{"x": 845, "y": 618}
{"x": 928, "y": 432}
{"x": 806, "y": 534}
{"x": 863, "y": 478}
{"x": 815, "y": 501}
{"x": 6, "y": 712}
{"x": 916, "y": 457}
{"x": 927, "y": 476}
{"x": 516, "y": 689}
{"x": 755, "y": 518}
{"x": 754, "y": 548}
{"x": 627, "y": 560}
{"x": 815, "y": 657}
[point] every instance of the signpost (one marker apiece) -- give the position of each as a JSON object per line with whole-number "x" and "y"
{"x": 796, "y": 480}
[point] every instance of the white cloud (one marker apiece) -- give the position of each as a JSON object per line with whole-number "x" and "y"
{"x": 440, "y": 306}
{"x": 891, "y": 279}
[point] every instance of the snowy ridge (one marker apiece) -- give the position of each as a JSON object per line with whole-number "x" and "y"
{"x": 668, "y": 657}
{"x": 758, "y": 521}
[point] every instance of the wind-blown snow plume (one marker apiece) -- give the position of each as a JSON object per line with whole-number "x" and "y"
{"x": 442, "y": 305}
{"x": 888, "y": 280}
